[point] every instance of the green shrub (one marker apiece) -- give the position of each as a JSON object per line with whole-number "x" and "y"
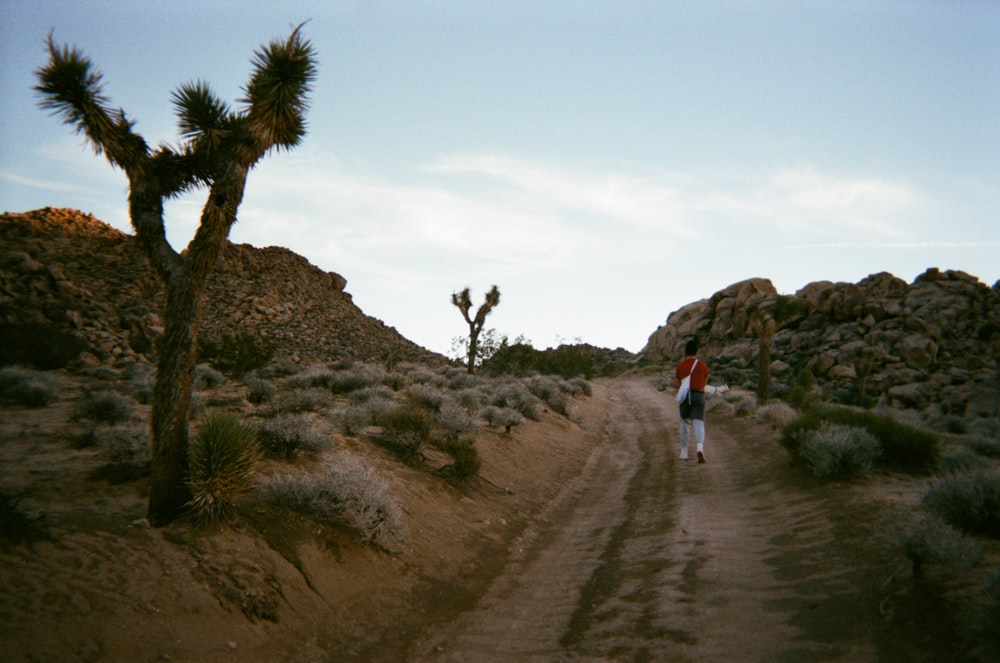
{"x": 466, "y": 460}
{"x": 346, "y": 491}
{"x": 222, "y": 458}
{"x": 835, "y": 450}
{"x": 107, "y": 407}
{"x": 236, "y": 354}
{"x": 405, "y": 429}
{"x": 970, "y": 501}
{"x": 802, "y": 388}
{"x": 522, "y": 359}
{"x": 26, "y": 387}
{"x": 288, "y": 435}
{"x": 359, "y": 415}
{"x": 903, "y": 447}
{"x": 426, "y": 395}
{"x": 40, "y": 345}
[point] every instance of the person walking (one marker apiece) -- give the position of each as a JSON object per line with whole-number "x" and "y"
{"x": 692, "y": 404}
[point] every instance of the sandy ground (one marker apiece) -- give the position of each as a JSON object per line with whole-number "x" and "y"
{"x": 585, "y": 540}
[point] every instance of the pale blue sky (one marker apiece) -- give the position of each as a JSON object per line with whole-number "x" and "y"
{"x": 603, "y": 163}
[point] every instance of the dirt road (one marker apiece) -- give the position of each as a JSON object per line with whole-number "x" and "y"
{"x": 645, "y": 557}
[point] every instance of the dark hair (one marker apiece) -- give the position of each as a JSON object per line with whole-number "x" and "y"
{"x": 691, "y": 347}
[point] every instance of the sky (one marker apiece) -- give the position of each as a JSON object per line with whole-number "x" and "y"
{"x": 603, "y": 163}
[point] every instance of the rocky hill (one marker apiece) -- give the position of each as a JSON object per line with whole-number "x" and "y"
{"x": 66, "y": 269}
{"x": 932, "y": 345}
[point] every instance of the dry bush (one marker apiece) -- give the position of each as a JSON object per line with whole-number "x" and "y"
{"x": 924, "y": 538}
{"x": 287, "y": 435}
{"x": 345, "y": 491}
{"x": 108, "y": 407}
{"x": 834, "y": 450}
{"x": 26, "y": 387}
{"x": 303, "y": 400}
{"x": 778, "y": 415}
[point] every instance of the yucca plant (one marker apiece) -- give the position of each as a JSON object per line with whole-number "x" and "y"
{"x": 222, "y": 458}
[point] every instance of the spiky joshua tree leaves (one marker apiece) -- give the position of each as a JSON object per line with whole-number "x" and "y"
{"x": 218, "y": 146}
{"x": 463, "y": 300}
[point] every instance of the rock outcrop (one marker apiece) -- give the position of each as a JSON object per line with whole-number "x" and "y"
{"x": 67, "y": 269}
{"x": 932, "y": 345}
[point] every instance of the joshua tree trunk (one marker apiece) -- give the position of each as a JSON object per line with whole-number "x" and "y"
{"x": 219, "y": 148}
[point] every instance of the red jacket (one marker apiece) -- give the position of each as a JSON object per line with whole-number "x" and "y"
{"x": 699, "y": 378}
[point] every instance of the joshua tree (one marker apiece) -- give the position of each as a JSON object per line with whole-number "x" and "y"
{"x": 218, "y": 147}
{"x": 463, "y": 300}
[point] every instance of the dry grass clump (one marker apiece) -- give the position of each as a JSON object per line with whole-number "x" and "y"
{"x": 309, "y": 399}
{"x": 925, "y": 538}
{"x": 345, "y": 491}
{"x": 969, "y": 501}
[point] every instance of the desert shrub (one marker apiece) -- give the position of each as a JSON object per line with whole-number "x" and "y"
{"x": 303, "y": 400}
{"x": 579, "y": 386}
{"x": 422, "y": 375}
{"x": 289, "y": 434}
{"x": 107, "y": 407}
{"x": 550, "y": 391}
{"x": 969, "y": 501}
{"x": 952, "y": 424}
{"x": 426, "y": 395}
{"x": 454, "y": 420}
{"x": 377, "y": 392}
{"x": 40, "y": 345}
{"x": 26, "y": 387}
{"x": 141, "y": 378}
{"x": 903, "y": 447}
{"x": 346, "y": 491}
{"x": 470, "y": 398}
{"x": 502, "y": 416}
{"x": 357, "y": 377}
{"x": 777, "y": 415}
{"x": 466, "y": 459}
{"x": 102, "y": 372}
{"x": 236, "y": 354}
{"x": 282, "y": 367}
{"x": 961, "y": 461}
{"x": 405, "y": 429}
{"x": 222, "y": 458}
{"x": 460, "y": 378}
{"x": 835, "y": 450}
{"x": 394, "y": 380}
{"x": 516, "y": 396}
{"x": 260, "y": 391}
{"x": 206, "y": 377}
{"x": 925, "y": 538}
{"x": 984, "y": 446}
{"x": 121, "y": 443}
{"x": 359, "y": 415}
{"x": 744, "y": 403}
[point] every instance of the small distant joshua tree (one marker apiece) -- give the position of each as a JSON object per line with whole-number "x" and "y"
{"x": 463, "y": 300}
{"x": 218, "y": 148}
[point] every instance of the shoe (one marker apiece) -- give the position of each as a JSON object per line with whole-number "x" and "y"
{"x": 684, "y": 455}
{"x": 701, "y": 457}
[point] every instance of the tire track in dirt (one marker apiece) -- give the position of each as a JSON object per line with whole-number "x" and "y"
{"x": 644, "y": 557}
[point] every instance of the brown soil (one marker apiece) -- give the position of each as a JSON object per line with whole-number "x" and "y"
{"x": 581, "y": 541}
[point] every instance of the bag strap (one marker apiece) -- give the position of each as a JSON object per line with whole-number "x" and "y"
{"x": 692, "y": 367}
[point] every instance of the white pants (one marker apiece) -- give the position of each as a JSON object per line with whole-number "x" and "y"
{"x": 699, "y": 434}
